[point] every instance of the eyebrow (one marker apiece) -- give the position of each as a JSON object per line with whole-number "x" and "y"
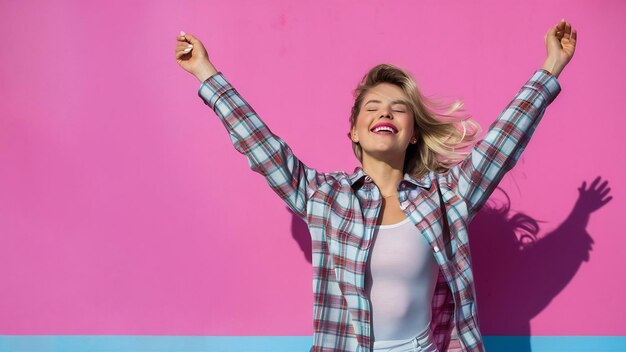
{"x": 392, "y": 103}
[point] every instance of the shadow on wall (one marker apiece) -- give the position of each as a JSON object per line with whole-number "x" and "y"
{"x": 516, "y": 273}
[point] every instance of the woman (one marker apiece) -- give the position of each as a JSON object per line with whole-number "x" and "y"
{"x": 391, "y": 257}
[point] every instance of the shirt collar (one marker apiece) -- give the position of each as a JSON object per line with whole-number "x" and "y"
{"x": 358, "y": 174}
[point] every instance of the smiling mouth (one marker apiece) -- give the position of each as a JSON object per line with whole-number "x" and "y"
{"x": 384, "y": 133}
{"x": 384, "y": 130}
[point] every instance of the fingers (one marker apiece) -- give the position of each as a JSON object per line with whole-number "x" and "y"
{"x": 183, "y": 45}
{"x": 568, "y": 31}
{"x": 191, "y": 39}
{"x": 183, "y": 49}
{"x": 181, "y": 37}
{"x": 559, "y": 28}
{"x": 564, "y": 30}
{"x": 180, "y": 53}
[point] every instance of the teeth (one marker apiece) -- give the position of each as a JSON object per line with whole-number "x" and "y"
{"x": 383, "y": 128}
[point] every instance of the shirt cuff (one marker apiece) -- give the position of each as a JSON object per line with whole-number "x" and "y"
{"x": 213, "y": 88}
{"x": 546, "y": 83}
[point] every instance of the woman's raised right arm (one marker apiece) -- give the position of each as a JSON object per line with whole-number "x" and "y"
{"x": 267, "y": 153}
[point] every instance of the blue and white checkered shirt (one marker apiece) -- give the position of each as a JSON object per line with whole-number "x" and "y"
{"x": 341, "y": 210}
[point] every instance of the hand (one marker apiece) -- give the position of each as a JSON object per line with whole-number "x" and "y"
{"x": 560, "y": 46}
{"x": 192, "y": 57}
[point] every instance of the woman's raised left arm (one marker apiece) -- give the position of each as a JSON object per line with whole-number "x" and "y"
{"x": 476, "y": 177}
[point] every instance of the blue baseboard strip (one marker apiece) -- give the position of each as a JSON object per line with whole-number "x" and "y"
{"x": 129, "y": 343}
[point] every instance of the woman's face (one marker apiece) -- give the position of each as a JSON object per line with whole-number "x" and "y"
{"x": 383, "y": 104}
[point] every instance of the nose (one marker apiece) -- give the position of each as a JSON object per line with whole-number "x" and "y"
{"x": 386, "y": 113}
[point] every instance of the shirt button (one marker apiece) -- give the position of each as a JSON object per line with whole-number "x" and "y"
{"x": 436, "y": 249}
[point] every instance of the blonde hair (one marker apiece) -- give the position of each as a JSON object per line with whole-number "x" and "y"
{"x": 443, "y": 140}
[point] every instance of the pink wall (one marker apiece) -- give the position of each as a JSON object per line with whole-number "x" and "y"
{"x": 126, "y": 210}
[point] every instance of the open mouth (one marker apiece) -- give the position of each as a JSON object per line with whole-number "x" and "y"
{"x": 384, "y": 130}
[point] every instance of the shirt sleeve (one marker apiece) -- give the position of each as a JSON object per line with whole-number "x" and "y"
{"x": 267, "y": 153}
{"x": 476, "y": 177}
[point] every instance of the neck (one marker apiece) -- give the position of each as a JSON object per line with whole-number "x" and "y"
{"x": 387, "y": 174}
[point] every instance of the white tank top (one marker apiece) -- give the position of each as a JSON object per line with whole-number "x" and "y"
{"x": 400, "y": 279}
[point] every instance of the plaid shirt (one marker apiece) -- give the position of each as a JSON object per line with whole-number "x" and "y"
{"x": 341, "y": 210}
